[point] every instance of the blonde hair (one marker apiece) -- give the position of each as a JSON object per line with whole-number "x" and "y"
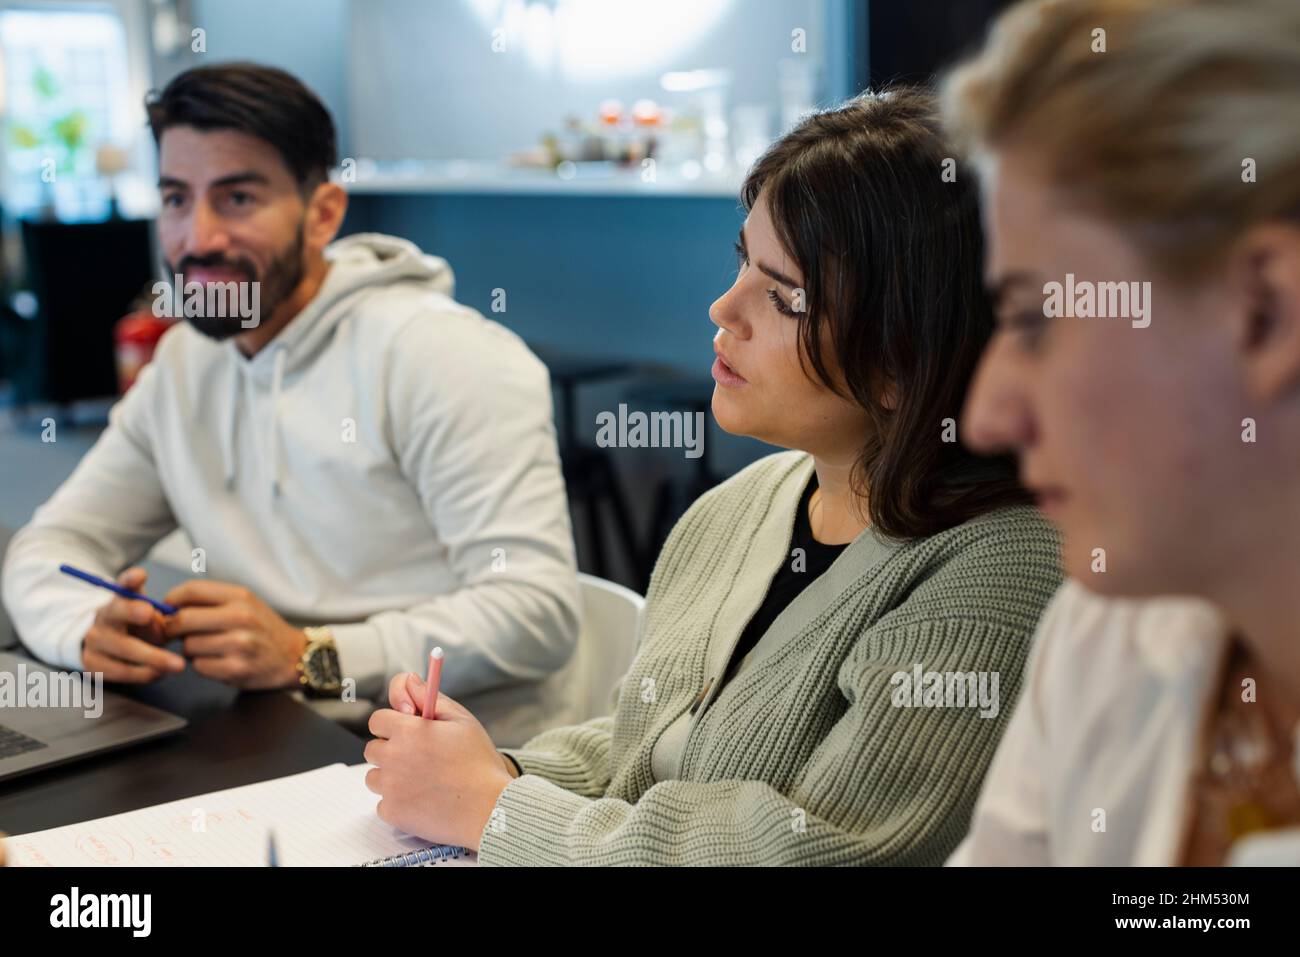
{"x": 1156, "y": 130}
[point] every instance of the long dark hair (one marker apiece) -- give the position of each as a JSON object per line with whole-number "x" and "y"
{"x": 882, "y": 217}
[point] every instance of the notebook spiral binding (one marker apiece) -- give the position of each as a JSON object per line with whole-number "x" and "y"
{"x": 422, "y": 857}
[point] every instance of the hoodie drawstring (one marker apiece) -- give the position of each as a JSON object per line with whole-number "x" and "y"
{"x": 277, "y": 380}
{"x": 228, "y": 430}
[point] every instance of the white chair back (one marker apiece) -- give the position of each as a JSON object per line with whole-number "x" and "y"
{"x": 611, "y": 627}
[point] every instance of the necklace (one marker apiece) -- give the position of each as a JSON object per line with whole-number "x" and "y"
{"x": 1251, "y": 772}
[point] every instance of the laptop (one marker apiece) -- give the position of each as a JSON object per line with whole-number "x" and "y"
{"x": 50, "y": 717}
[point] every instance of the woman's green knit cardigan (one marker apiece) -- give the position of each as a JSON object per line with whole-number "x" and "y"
{"x": 810, "y": 754}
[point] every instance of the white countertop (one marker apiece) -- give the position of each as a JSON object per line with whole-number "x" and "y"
{"x": 473, "y": 176}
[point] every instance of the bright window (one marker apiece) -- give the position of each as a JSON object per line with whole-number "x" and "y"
{"x": 67, "y": 94}
{"x": 593, "y": 40}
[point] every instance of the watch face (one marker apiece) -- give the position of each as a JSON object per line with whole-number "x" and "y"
{"x": 322, "y": 668}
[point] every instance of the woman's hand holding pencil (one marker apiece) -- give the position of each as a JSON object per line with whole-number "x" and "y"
{"x": 436, "y": 770}
{"x": 407, "y": 693}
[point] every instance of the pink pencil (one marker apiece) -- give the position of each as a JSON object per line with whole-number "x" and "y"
{"x": 431, "y": 685}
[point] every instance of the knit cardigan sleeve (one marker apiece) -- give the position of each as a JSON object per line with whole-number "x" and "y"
{"x": 886, "y": 785}
{"x": 575, "y": 758}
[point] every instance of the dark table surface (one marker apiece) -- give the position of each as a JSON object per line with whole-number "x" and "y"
{"x": 233, "y": 738}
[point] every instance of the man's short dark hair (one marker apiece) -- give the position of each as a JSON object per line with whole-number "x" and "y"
{"x": 264, "y": 102}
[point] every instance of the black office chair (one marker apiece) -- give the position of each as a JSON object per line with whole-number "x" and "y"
{"x": 589, "y": 474}
{"x": 691, "y": 395}
{"x": 85, "y": 277}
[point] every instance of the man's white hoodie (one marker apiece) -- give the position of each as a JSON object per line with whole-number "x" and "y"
{"x": 387, "y": 466}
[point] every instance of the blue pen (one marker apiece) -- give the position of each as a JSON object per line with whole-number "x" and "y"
{"x": 116, "y": 589}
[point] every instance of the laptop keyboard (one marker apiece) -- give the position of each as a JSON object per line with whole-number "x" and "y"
{"x": 13, "y": 742}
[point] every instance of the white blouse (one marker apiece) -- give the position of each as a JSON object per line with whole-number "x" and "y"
{"x": 1096, "y": 763}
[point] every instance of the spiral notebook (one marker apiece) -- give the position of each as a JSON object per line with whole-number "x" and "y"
{"x": 321, "y": 818}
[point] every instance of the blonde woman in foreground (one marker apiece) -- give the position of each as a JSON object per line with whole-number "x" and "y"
{"x": 1158, "y": 421}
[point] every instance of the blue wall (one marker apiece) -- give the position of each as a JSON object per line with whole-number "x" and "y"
{"x": 631, "y": 277}
{"x": 627, "y": 278}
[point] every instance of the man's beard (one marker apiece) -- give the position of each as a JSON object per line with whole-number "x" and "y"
{"x": 281, "y": 279}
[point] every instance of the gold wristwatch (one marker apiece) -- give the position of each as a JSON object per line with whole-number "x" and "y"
{"x": 318, "y": 668}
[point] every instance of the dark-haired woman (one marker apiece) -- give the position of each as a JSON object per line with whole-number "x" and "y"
{"x": 833, "y": 638}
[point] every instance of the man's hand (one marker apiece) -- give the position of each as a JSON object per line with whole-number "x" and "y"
{"x": 232, "y": 635}
{"x": 123, "y": 642}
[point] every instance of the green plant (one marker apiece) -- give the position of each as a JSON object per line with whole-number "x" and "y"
{"x": 68, "y": 130}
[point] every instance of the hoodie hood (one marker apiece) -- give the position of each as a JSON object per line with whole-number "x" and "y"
{"x": 359, "y": 265}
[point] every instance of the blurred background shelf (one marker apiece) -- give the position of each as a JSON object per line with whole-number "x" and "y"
{"x": 488, "y": 178}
